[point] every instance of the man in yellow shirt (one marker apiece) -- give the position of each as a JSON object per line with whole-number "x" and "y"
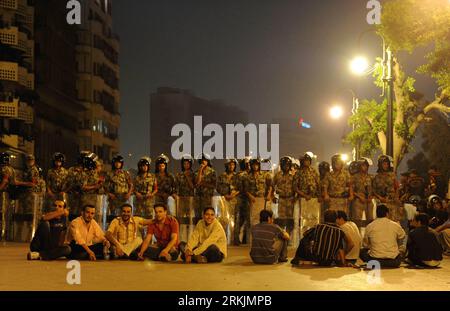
{"x": 125, "y": 234}
{"x": 208, "y": 242}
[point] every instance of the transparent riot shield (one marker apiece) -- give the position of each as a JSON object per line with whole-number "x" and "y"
{"x": 171, "y": 206}
{"x": 225, "y": 211}
{"x": 256, "y": 208}
{"x": 296, "y": 232}
{"x": 101, "y": 209}
{"x": 27, "y": 214}
{"x": 38, "y": 203}
{"x": 309, "y": 214}
{"x": 185, "y": 215}
{"x": 6, "y": 211}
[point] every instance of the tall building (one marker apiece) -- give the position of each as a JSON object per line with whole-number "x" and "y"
{"x": 171, "y": 106}
{"x": 17, "y": 85}
{"x": 97, "y": 60}
{"x": 57, "y": 109}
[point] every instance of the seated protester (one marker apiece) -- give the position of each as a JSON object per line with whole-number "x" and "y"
{"x": 382, "y": 240}
{"x": 269, "y": 241}
{"x": 125, "y": 234}
{"x": 436, "y": 211}
{"x": 353, "y": 240}
{"x": 323, "y": 244}
{"x": 444, "y": 237}
{"x": 208, "y": 242}
{"x": 165, "y": 228}
{"x": 48, "y": 242}
{"x": 423, "y": 244}
{"x": 86, "y": 238}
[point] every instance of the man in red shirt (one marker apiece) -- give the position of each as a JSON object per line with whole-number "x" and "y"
{"x": 165, "y": 228}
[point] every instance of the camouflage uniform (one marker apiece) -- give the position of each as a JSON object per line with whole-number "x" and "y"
{"x": 166, "y": 187}
{"x": 144, "y": 185}
{"x": 362, "y": 186}
{"x": 307, "y": 181}
{"x": 258, "y": 185}
{"x": 74, "y": 183}
{"x": 119, "y": 184}
{"x": 56, "y": 182}
{"x": 205, "y": 191}
{"x": 185, "y": 203}
{"x": 338, "y": 186}
{"x": 284, "y": 186}
{"x": 385, "y": 185}
{"x": 242, "y": 208}
{"x": 30, "y": 207}
{"x": 94, "y": 197}
{"x": 226, "y": 185}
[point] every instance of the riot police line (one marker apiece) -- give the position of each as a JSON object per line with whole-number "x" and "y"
{"x": 296, "y": 192}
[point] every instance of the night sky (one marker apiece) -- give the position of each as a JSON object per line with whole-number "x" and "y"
{"x": 284, "y": 58}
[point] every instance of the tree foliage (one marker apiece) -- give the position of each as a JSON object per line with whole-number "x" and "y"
{"x": 407, "y": 25}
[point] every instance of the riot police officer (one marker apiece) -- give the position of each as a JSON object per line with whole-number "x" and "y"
{"x": 184, "y": 195}
{"x": 385, "y": 188}
{"x": 227, "y": 187}
{"x": 164, "y": 180}
{"x": 205, "y": 185}
{"x": 259, "y": 191}
{"x": 119, "y": 186}
{"x": 362, "y": 188}
{"x": 145, "y": 189}
{"x": 307, "y": 186}
{"x": 337, "y": 188}
{"x": 56, "y": 180}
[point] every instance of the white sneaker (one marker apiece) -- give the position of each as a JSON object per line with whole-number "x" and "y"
{"x": 33, "y": 256}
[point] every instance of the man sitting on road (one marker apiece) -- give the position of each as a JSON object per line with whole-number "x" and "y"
{"x": 208, "y": 242}
{"x": 86, "y": 238}
{"x": 48, "y": 242}
{"x": 165, "y": 228}
{"x": 269, "y": 241}
{"x": 125, "y": 234}
{"x": 323, "y": 244}
{"x": 383, "y": 239}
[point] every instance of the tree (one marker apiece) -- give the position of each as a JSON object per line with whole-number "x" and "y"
{"x": 407, "y": 25}
{"x": 436, "y": 146}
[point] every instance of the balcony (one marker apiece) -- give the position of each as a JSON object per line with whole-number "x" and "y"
{"x": 13, "y": 72}
{"x": 12, "y": 36}
{"x": 26, "y": 11}
{"x": 9, "y": 4}
{"x": 17, "y": 110}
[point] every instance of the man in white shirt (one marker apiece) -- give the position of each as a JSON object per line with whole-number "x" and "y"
{"x": 383, "y": 239}
{"x": 208, "y": 242}
{"x": 86, "y": 238}
{"x": 353, "y": 239}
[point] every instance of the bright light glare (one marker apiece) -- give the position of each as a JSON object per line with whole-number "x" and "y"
{"x": 336, "y": 112}
{"x": 344, "y": 157}
{"x": 359, "y": 65}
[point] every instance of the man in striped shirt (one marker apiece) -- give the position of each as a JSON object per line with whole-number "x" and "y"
{"x": 323, "y": 244}
{"x": 269, "y": 241}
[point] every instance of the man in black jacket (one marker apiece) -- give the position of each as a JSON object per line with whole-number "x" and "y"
{"x": 423, "y": 244}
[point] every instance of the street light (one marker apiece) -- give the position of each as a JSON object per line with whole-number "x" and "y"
{"x": 359, "y": 66}
{"x": 336, "y": 112}
{"x": 388, "y": 86}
